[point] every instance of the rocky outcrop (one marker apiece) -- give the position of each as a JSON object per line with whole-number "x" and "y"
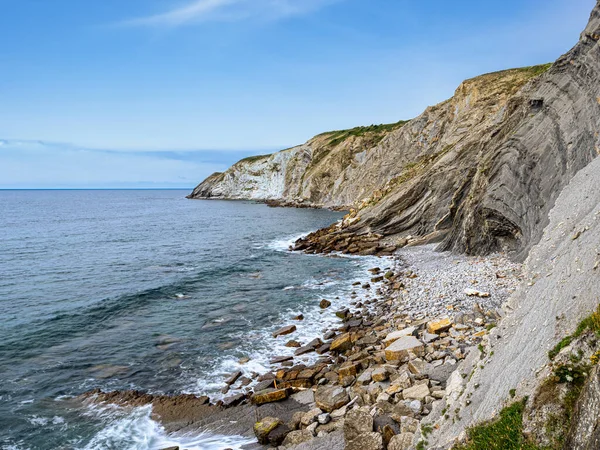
{"x": 477, "y": 173}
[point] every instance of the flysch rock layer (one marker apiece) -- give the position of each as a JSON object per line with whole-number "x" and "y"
{"x": 561, "y": 286}
{"x": 478, "y": 172}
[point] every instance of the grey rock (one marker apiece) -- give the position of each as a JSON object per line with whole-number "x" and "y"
{"x": 357, "y": 422}
{"x": 367, "y": 441}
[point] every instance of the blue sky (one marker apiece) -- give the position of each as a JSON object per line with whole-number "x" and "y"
{"x": 192, "y": 85}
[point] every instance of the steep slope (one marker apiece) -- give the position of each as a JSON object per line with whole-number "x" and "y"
{"x": 346, "y": 168}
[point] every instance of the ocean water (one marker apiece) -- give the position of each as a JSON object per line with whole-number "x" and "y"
{"x": 146, "y": 290}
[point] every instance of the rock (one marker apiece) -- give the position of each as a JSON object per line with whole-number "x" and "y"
{"x": 294, "y": 423}
{"x": 324, "y": 418}
{"x": 350, "y": 369}
{"x": 341, "y": 343}
{"x": 428, "y": 337}
{"x": 277, "y": 436}
{"x": 415, "y": 406}
{"x": 357, "y": 422}
{"x": 293, "y": 344}
{"x": 280, "y": 359}
{"x": 409, "y": 425}
{"x": 299, "y": 317}
{"x": 324, "y": 304}
{"x": 310, "y": 416}
{"x": 297, "y": 437}
{"x": 264, "y": 427}
{"x": 170, "y": 448}
{"x": 329, "y": 398}
{"x": 365, "y": 377}
{"x": 400, "y": 410}
{"x": 380, "y": 374}
{"x": 403, "y": 347}
{"x": 417, "y": 392}
{"x": 303, "y": 350}
{"x": 395, "y": 335}
{"x": 438, "y": 326}
{"x": 269, "y": 396}
{"x": 475, "y": 293}
{"x": 367, "y": 441}
{"x": 234, "y": 400}
{"x": 233, "y": 378}
{"x": 285, "y": 330}
{"x": 401, "y": 441}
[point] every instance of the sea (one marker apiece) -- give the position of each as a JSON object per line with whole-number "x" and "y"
{"x": 147, "y": 290}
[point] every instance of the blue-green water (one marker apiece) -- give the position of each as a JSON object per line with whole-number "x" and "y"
{"x": 144, "y": 290}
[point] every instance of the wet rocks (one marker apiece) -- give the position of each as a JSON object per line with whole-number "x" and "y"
{"x": 233, "y": 378}
{"x": 324, "y": 304}
{"x": 341, "y": 343}
{"x": 264, "y": 427}
{"x": 285, "y": 330}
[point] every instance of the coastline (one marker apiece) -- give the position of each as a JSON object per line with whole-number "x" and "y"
{"x": 353, "y": 355}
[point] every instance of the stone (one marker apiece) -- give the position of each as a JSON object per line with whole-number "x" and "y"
{"x": 280, "y": 359}
{"x": 404, "y": 346}
{"x": 409, "y": 425}
{"x": 416, "y": 406}
{"x": 357, "y": 422}
{"x": 264, "y": 427}
{"x": 293, "y": 344}
{"x": 285, "y": 330}
{"x": 439, "y": 326}
{"x": 303, "y": 350}
{"x": 269, "y": 396}
{"x": 417, "y": 392}
{"x": 341, "y": 343}
{"x": 324, "y": 304}
{"x": 400, "y": 410}
{"x": 310, "y": 416}
{"x": 367, "y": 441}
{"x": 323, "y": 349}
{"x": 299, "y": 317}
{"x": 329, "y": 398}
{"x": 365, "y": 377}
{"x": 380, "y": 374}
{"x": 297, "y": 437}
{"x": 395, "y": 335}
{"x": 324, "y": 418}
{"x": 475, "y": 293}
{"x": 233, "y": 400}
{"x": 234, "y": 377}
{"x": 401, "y": 441}
{"x": 277, "y": 436}
{"x": 348, "y": 370}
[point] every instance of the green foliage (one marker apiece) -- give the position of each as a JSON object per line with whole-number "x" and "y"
{"x": 376, "y": 131}
{"x": 251, "y": 159}
{"x": 504, "y": 433}
{"x": 592, "y": 323}
{"x": 512, "y": 393}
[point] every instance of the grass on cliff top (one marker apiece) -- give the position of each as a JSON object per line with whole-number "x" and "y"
{"x": 504, "y": 433}
{"x": 592, "y": 323}
{"x": 338, "y": 136}
{"x": 251, "y": 159}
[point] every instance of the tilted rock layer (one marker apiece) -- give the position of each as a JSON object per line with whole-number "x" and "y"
{"x": 480, "y": 171}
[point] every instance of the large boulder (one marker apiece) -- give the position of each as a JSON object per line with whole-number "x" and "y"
{"x": 329, "y": 398}
{"x": 264, "y": 427}
{"x": 357, "y": 422}
{"x": 403, "y": 347}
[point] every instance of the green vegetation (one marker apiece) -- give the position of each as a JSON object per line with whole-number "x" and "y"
{"x": 377, "y": 132}
{"x": 504, "y": 433}
{"x": 592, "y": 323}
{"x": 251, "y": 159}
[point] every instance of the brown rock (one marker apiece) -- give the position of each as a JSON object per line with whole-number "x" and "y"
{"x": 264, "y": 427}
{"x": 325, "y": 304}
{"x": 357, "y": 422}
{"x": 269, "y": 396}
{"x": 367, "y": 441}
{"x": 285, "y": 330}
{"x": 403, "y": 347}
{"x": 329, "y": 398}
{"x": 341, "y": 343}
{"x": 439, "y": 326}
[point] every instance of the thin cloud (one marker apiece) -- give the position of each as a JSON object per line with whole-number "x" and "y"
{"x": 227, "y": 10}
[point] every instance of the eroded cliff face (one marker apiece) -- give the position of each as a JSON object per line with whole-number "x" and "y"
{"x": 477, "y": 173}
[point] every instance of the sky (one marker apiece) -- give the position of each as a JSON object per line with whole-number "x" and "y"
{"x": 161, "y": 93}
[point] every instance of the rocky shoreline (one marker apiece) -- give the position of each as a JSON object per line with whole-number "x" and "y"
{"x": 390, "y": 361}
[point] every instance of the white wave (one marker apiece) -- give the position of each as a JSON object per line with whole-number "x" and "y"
{"x": 135, "y": 430}
{"x": 283, "y": 244}
{"x": 260, "y": 346}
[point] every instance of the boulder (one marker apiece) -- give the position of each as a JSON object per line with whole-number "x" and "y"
{"x": 325, "y": 304}
{"x": 380, "y": 374}
{"x": 285, "y": 330}
{"x": 367, "y": 441}
{"x": 341, "y": 343}
{"x": 310, "y": 416}
{"x": 297, "y": 437}
{"x": 329, "y": 398}
{"x": 417, "y": 392}
{"x": 439, "y": 326}
{"x": 269, "y": 396}
{"x": 395, "y": 335}
{"x": 277, "y": 436}
{"x": 401, "y": 442}
{"x": 233, "y": 378}
{"x": 403, "y": 347}
{"x": 264, "y": 427}
{"x": 357, "y": 422}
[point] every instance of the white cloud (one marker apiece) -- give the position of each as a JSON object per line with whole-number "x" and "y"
{"x": 202, "y": 10}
